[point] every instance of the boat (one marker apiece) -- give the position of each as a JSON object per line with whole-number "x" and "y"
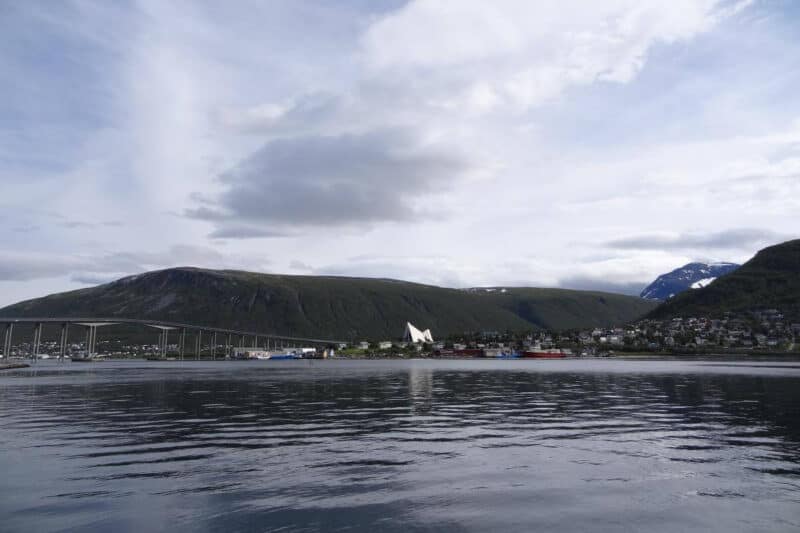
{"x": 82, "y": 359}
{"x": 499, "y": 353}
{"x": 283, "y": 356}
{"x": 468, "y": 352}
{"x": 544, "y": 353}
{"x": 269, "y": 355}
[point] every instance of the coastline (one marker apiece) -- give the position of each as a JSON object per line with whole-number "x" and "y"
{"x": 12, "y": 366}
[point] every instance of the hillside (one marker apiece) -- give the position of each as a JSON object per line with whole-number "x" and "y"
{"x": 771, "y": 279}
{"x": 332, "y": 307}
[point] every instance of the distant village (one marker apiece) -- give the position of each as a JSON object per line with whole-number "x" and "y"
{"x": 762, "y": 331}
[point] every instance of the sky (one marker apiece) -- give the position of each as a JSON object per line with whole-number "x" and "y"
{"x": 577, "y": 144}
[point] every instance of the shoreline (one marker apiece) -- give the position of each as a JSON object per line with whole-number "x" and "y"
{"x": 12, "y": 366}
{"x": 617, "y": 356}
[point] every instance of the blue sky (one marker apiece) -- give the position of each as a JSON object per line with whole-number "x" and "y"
{"x": 572, "y": 143}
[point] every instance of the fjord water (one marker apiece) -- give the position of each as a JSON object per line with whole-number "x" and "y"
{"x": 579, "y": 445}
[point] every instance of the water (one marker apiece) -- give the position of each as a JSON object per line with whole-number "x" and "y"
{"x": 601, "y": 445}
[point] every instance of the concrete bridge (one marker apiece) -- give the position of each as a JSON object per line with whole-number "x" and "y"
{"x": 218, "y": 337}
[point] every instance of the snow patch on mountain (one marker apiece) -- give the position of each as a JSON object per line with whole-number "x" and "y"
{"x": 699, "y": 284}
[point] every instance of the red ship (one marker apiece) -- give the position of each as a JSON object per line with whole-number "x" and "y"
{"x": 553, "y": 353}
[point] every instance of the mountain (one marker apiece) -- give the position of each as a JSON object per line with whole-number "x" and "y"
{"x": 332, "y": 307}
{"x": 770, "y": 280}
{"x": 690, "y": 276}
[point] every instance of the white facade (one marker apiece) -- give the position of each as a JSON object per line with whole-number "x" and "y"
{"x": 412, "y": 334}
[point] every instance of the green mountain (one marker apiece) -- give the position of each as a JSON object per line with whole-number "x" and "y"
{"x": 769, "y": 280}
{"x": 331, "y": 307}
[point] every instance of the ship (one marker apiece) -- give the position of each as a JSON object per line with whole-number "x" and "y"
{"x": 499, "y": 353}
{"x": 545, "y": 353}
{"x": 267, "y": 355}
{"x": 283, "y": 356}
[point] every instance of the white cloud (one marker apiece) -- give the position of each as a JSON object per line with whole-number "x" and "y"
{"x": 759, "y": 175}
{"x": 740, "y": 238}
{"x": 523, "y": 53}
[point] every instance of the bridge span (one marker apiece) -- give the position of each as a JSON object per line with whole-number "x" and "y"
{"x": 218, "y": 337}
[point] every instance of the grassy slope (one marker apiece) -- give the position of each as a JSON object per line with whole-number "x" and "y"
{"x": 331, "y": 307}
{"x": 770, "y": 280}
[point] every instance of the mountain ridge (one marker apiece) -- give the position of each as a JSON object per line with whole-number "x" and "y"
{"x": 331, "y": 306}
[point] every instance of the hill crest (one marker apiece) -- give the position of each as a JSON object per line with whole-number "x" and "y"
{"x": 332, "y": 306}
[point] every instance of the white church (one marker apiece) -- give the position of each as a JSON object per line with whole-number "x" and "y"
{"x": 412, "y": 334}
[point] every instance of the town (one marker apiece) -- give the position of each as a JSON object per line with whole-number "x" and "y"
{"x": 764, "y": 331}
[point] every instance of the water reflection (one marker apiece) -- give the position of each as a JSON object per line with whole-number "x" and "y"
{"x": 399, "y": 446}
{"x": 420, "y": 389}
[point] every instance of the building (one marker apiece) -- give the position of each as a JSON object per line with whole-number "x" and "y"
{"x": 414, "y": 335}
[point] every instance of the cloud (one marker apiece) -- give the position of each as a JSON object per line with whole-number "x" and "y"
{"x": 26, "y": 229}
{"x": 99, "y": 268}
{"x": 602, "y": 284}
{"x": 79, "y": 224}
{"x": 521, "y": 53}
{"x": 28, "y": 266}
{"x": 741, "y": 238}
{"x": 304, "y": 113}
{"x": 299, "y": 265}
{"x": 330, "y": 181}
{"x": 74, "y": 224}
{"x": 442, "y": 270}
{"x": 242, "y": 232}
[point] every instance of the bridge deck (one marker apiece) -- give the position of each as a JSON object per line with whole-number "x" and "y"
{"x": 105, "y": 321}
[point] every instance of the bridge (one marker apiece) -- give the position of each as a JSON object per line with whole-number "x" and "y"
{"x": 229, "y": 337}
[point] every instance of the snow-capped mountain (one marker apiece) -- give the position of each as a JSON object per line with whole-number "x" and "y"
{"x": 691, "y": 276}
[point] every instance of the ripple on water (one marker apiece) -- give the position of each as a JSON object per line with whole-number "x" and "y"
{"x": 398, "y": 446}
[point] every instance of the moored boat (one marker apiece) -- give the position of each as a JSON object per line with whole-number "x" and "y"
{"x": 499, "y": 353}
{"x": 283, "y": 356}
{"x": 542, "y": 353}
{"x": 468, "y": 352}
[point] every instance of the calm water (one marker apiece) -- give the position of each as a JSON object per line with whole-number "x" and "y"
{"x": 401, "y": 446}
